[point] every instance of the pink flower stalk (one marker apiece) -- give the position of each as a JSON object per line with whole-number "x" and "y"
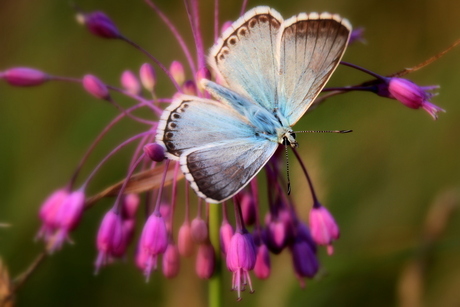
{"x": 226, "y": 234}
{"x": 95, "y": 87}
{"x": 185, "y": 240}
{"x": 323, "y": 227}
{"x": 99, "y": 24}
{"x": 177, "y": 72}
{"x": 109, "y": 238}
{"x": 130, "y": 82}
{"x": 413, "y": 96}
{"x": 205, "y": 261}
{"x": 148, "y": 77}
{"x": 241, "y": 258}
{"x": 24, "y": 76}
{"x": 171, "y": 261}
{"x": 262, "y": 267}
{"x": 153, "y": 242}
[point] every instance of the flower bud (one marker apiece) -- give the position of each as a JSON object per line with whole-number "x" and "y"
{"x": 99, "y": 24}
{"x": 185, "y": 241}
{"x": 205, "y": 261}
{"x": 177, "y": 72}
{"x": 171, "y": 261}
{"x": 24, "y": 76}
{"x": 199, "y": 230}
{"x": 189, "y": 88}
{"x": 155, "y": 151}
{"x": 324, "y": 229}
{"x": 226, "y": 234}
{"x": 262, "y": 267}
{"x": 95, "y": 87}
{"x": 109, "y": 237}
{"x": 130, "y": 82}
{"x": 304, "y": 260}
{"x": 148, "y": 77}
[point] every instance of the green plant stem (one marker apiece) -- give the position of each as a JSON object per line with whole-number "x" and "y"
{"x": 215, "y": 283}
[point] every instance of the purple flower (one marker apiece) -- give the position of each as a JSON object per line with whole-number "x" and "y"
{"x": 199, "y": 230}
{"x": 185, "y": 240}
{"x": 155, "y": 152}
{"x": 109, "y": 238}
{"x": 410, "y": 94}
{"x": 226, "y": 234}
{"x": 148, "y": 77}
{"x": 152, "y": 243}
{"x": 262, "y": 267}
{"x": 241, "y": 258}
{"x": 304, "y": 260}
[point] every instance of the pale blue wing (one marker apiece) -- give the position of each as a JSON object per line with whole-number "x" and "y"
{"x": 245, "y": 58}
{"x": 191, "y": 122}
{"x": 218, "y": 149}
{"x": 310, "y": 48}
{"x": 219, "y": 170}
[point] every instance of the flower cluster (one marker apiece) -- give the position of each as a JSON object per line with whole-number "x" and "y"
{"x": 248, "y": 244}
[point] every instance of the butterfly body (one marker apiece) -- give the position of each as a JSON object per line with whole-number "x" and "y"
{"x": 270, "y": 71}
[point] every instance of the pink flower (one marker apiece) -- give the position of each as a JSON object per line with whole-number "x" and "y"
{"x": 110, "y": 238}
{"x": 323, "y": 227}
{"x": 24, "y": 76}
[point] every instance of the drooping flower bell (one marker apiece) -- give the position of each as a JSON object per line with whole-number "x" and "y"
{"x": 410, "y": 94}
{"x": 323, "y": 227}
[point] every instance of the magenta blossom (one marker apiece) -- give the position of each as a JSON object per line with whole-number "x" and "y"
{"x": 324, "y": 229}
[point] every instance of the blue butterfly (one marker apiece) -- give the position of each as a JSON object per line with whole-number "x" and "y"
{"x": 271, "y": 70}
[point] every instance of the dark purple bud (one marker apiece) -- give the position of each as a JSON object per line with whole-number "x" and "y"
{"x": 205, "y": 261}
{"x": 24, "y": 76}
{"x": 155, "y": 151}
{"x": 99, "y": 24}
{"x": 304, "y": 259}
{"x": 248, "y": 209}
{"x": 96, "y": 87}
{"x": 189, "y": 88}
{"x": 357, "y": 35}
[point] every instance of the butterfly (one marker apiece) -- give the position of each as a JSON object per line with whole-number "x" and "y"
{"x": 271, "y": 71}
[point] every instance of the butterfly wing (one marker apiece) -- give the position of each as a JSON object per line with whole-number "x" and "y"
{"x": 310, "y": 48}
{"x": 217, "y": 147}
{"x": 245, "y": 58}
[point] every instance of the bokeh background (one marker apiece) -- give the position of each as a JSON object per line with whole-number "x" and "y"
{"x": 392, "y": 184}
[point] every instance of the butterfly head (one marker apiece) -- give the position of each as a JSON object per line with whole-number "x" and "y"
{"x": 288, "y": 138}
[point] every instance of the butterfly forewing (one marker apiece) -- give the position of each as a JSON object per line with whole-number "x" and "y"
{"x": 310, "y": 48}
{"x": 191, "y": 122}
{"x": 220, "y": 170}
{"x": 245, "y": 56}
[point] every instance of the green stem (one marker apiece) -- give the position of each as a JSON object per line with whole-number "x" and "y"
{"x": 215, "y": 283}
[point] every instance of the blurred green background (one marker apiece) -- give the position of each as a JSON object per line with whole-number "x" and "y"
{"x": 392, "y": 184}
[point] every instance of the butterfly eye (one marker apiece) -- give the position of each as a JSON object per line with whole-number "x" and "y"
{"x": 285, "y": 141}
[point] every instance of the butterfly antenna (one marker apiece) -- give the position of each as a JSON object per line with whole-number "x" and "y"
{"x": 324, "y": 131}
{"x": 287, "y": 171}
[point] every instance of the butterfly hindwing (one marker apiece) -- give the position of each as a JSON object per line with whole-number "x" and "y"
{"x": 245, "y": 57}
{"x": 220, "y": 170}
{"x": 310, "y": 48}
